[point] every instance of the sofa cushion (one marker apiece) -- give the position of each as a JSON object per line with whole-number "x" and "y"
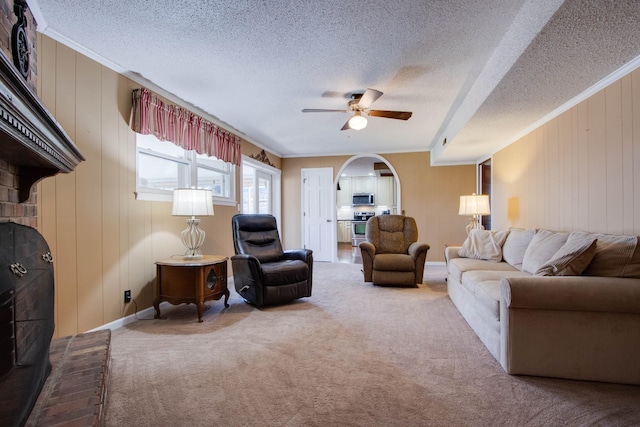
{"x": 542, "y": 247}
{"x": 470, "y": 279}
{"x": 458, "y": 266}
{"x": 515, "y": 246}
{"x": 484, "y": 244}
{"x": 616, "y": 256}
{"x": 488, "y": 295}
{"x": 572, "y": 258}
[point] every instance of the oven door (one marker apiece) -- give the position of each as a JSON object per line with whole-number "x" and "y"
{"x": 357, "y": 232}
{"x": 358, "y": 228}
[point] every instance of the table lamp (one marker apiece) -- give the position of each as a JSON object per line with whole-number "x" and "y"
{"x": 474, "y": 206}
{"x": 191, "y": 202}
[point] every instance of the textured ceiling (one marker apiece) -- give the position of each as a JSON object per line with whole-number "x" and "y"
{"x": 477, "y": 73}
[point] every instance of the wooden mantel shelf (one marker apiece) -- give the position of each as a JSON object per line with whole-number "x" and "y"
{"x": 30, "y": 137}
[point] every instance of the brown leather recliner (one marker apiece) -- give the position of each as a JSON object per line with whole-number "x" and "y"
{"x": 392, "y": 256}
{"x": 263, "y": 273}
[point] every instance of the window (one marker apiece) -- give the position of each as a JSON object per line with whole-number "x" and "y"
{"x": 163, "y": 166}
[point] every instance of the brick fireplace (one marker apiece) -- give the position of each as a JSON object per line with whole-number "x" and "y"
{"x": 10, "y": 209}
{"x": 32, "y": 146}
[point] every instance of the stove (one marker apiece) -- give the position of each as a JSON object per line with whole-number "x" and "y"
{"x": 358, "y": 226}
{"x": 363, "y": 216}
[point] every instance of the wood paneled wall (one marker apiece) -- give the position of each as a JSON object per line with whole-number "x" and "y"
{"x": 579, "y": 171}
{"x": 103, "y": 240}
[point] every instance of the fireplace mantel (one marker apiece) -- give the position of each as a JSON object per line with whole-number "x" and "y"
{"x": 30, "y": 137}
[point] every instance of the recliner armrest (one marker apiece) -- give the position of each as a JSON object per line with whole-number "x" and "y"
{"x": 301, "y": 254}
{"x": 247, "y": 278}
{"x": 368, "y": 252}
{"x": 417, "y": 248}
{"x": 368, "y": 247}
{"x": 248, "y": 264}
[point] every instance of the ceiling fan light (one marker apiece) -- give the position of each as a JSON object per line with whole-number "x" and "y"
{"x": 357, "y": 122}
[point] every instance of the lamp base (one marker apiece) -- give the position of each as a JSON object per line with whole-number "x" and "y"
{"x": 192, "y": 254}
{"x": 193, "y": 238}
{"x": 474, "y": 224}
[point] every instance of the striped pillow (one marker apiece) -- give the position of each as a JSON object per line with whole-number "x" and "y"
{"x": 571, "y": 259}
{"x": 614, "y": 256}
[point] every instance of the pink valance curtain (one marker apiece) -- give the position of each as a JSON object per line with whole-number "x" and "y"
{"x": 167, "y": 122}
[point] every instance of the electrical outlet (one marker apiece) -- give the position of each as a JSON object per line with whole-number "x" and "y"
{"x": 127, "y": 296}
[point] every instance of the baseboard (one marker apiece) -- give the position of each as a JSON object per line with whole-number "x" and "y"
{"x": 148, "y": 312}
{"x": 436, "y": 263}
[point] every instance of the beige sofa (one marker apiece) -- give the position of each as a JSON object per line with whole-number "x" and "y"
{"x": 554, "y": 304}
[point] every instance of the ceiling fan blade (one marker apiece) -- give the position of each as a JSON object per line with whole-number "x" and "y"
{"x": 346, "y": 125}
{"x": 321, "y": 110}
{"x": 369, "y": 97}
{"x": 400, "y": 115}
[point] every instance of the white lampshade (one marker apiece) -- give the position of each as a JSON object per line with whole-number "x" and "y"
{"x": 475, "y": 204}
{"x": 357, "y": 122}
{"x": 192, "y": 202}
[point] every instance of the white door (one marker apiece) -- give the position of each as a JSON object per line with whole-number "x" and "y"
{"x": 264, "y": 193}
{"x": 318, "y": 213}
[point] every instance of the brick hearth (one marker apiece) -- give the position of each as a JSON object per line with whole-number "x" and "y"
{"x": 75, "y": 394}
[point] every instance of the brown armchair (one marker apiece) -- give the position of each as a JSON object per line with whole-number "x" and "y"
{"x": 392, "y": 256}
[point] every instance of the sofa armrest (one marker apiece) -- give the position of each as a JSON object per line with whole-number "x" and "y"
{"x": 575, "y": 327}
{"x": 451, "y": 252}
{"x": 572, "y": 293}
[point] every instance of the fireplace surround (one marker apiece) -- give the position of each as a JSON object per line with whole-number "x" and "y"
{"x": 26, "y": 319}
{"x": 32, "y": 146}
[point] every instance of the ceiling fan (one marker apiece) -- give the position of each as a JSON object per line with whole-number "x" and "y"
{"x": 359, "y": 106}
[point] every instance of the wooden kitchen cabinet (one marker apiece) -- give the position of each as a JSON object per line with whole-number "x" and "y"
{"x": 344, "y": 194}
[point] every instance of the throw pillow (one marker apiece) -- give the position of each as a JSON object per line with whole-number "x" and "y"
{"x": 614, "y": 256}
{"x": 515, "y": 246}
{"x": 542, "y": 247}
{"x": 484, "y": 244}
{"x": 571, "y": 259}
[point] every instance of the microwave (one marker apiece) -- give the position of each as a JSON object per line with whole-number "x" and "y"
{"x": 362, "y": 199}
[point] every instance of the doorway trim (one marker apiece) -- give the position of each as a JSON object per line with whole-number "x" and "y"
{"x": 339, "y": 174}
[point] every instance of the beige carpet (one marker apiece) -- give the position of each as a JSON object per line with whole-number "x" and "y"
{"x": 351, "y": 355}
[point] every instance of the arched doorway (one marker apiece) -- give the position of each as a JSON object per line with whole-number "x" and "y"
{"x": 362, "y": 174}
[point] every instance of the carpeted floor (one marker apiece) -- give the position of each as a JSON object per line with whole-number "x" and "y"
{"x": 351, "y": 355}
